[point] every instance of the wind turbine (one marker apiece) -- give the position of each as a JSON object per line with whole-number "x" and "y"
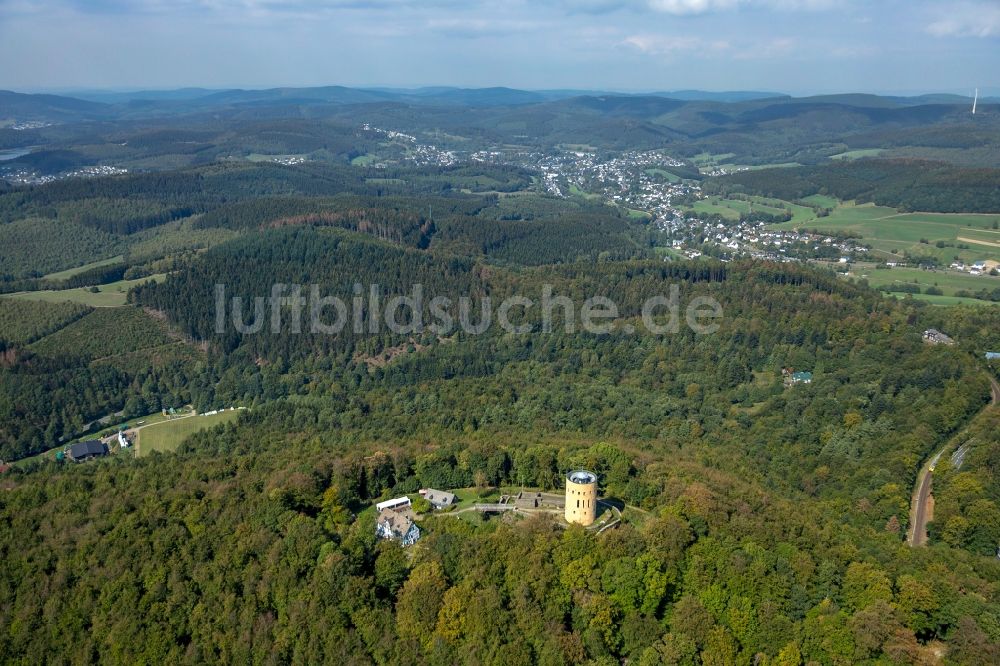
{"x": 974, "y": 101}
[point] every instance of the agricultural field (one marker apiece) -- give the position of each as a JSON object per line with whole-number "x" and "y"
{"x": 113, "y": 294}
{"x": 168, "y": 435}
{"x": 731, "y": 209}
{"x": 710, "y": 161}
{"x": 890, "y": 233}
{"x": 948, "y": 300}
{"x": 948, "y": 281}
{"x": 821, "y": 200}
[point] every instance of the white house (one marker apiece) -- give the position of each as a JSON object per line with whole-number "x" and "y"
{"x": 397, "y": 525}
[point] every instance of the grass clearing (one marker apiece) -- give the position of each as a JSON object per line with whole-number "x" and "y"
{"x": 946, "y": 300}
{"x": 858, "y": 154}
{"x": 946, "y": 280}
{"x": 168, "y": 435}
{"x": 574, "y": 190}
{"x": 111, "y": 295}
{"x": 821, "y": 200}
{"x": 670, "y": 177}
{"x": 70, "y": 272}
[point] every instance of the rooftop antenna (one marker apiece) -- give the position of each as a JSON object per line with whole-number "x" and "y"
{"x": 975, "y": 99}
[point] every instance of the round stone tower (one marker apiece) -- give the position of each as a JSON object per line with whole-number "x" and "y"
{"x": 581, "y": 497}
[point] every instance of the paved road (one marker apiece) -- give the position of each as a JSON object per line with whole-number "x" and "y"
{"x": 922, "y": 503}
{"x": 921, "y": 507}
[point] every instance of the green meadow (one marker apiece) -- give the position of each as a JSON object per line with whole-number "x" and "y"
{"x": 970, "y": 237}
{"x": 731, "y": 209}
{"x": 109, "y": 295}
{"x": 168, "y": 435}
{"x": 947, "y": 281}
{"x": 671, "y": 177}
{"x": 70, "y": 272}
{"x": 857, "y": 154}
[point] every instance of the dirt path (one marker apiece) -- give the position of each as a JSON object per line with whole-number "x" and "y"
{"x": 922, "y": 501}
{"x": 964, "y": 239}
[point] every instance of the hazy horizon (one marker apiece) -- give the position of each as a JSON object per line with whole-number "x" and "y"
{"x": 798, "y": 47}
{"x": 70, "y": 91}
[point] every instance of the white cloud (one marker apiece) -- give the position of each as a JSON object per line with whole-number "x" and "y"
{"x": 693, "y": 7}
{"x": 685, "y": 7}
{"x": 478, "y": 27}
{"x": 967, "y": 20}
{"x": 669, "y": 45}
{"x": 776, "y": 48}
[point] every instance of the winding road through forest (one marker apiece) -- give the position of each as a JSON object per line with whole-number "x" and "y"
{"x": 922, "y": 503}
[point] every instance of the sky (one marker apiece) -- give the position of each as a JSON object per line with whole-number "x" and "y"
{"x": 793, "y": 46}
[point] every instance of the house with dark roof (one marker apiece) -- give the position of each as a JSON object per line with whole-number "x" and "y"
{"x": 439, "y": 499}
{"x": 93, "y": 448}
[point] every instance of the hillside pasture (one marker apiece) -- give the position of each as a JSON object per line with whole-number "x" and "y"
{"x": 732, "y": 209}
{"x": 113, "y": 294}
{"x": 59, "y": 276}
{"x": 166, "y": 436}
{"x": 947, "y": 281}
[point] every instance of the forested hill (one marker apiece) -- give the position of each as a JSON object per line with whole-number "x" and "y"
{"x": 907, "y": 185}
{"x": 776, "y": 316}
{"x": 763, "y": 468}
{"x": 763, "y": 522}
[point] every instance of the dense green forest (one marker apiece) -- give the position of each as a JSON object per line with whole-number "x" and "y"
{"x": 68, "y": 223}
{"x": 251, "y": 545}
{"x": 763, "y": 520}
{"x": 904, "y": 184}
{"x": 23, "y": 322}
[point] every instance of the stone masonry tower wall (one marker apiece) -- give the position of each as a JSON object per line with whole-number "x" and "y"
{"x": 581, "y": 497}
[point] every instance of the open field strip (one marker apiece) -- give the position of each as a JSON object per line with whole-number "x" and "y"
{"x": 168, "y": 435}
{"x": 111, "y": 295}
{"x": 966, "y": 239}
{"x": 70, "y": 272}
